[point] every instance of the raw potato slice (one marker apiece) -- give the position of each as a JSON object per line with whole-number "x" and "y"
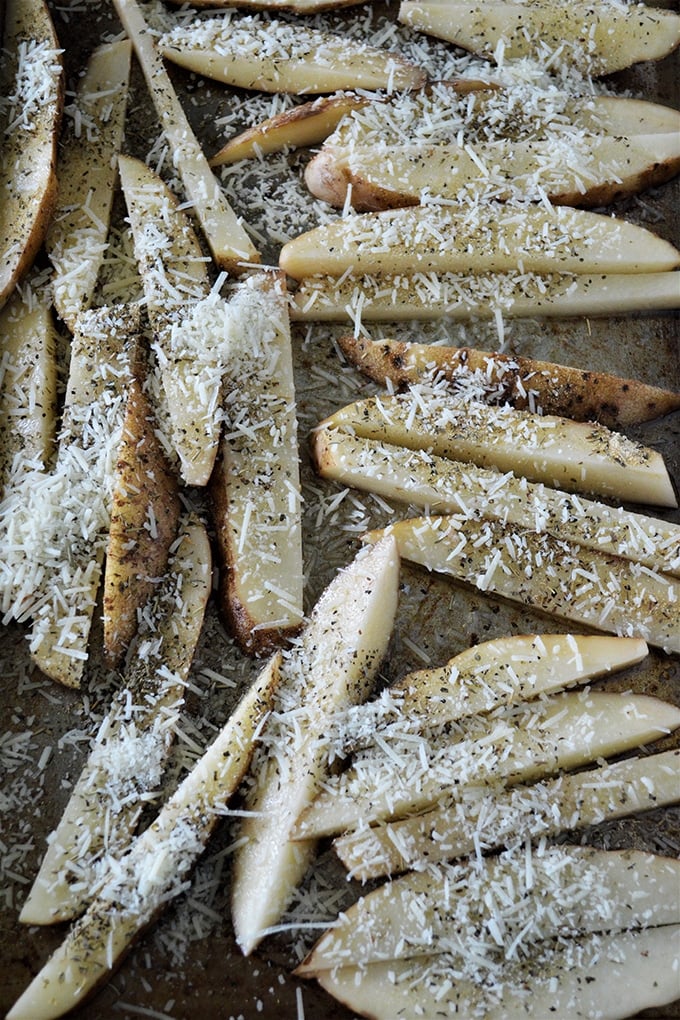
{"x": 471, "y": 493}
{"x": 332, "y": 665}
{"x": 298, "y": 6}
{"x": 423, "y": 296}
{"x": 488, "y": 819}
{"x": 557, "y": 892}
{"x": 444, "y": 239}
{"x": 563, "y": 731}
{"x": 255, "y": 488}
{"x": 526, "y": 383}
{"x": 549, "y": 574}
{"x": 31, "y": 91}
{"x": 597, "y": 40}
{"x": 86, "y": 168}
{"x": 229, "y": 243}
{"x": 608, "y": 976}
{"x": 28, "y": 389}
{"x": 133, "y": 741}
{"x": 306, "y": 124}
{"x": 153, "y": 871}
{"x": 144, "y": 519}
{"x": 568, "y": 455}
{"x": 250, "y": 52}
{"x": 503, "y": 671}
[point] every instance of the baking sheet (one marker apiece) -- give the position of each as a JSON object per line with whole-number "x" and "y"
{"x": 188, "y": 964}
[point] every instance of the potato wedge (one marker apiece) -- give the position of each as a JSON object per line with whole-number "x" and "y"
{"x": 32, "y": 90}
{"x": 597, "y": 40}
{"x": 576, "y": 457}
{"x": 609, "y": 976}
{"x": 563, "y": 731}
{"x": 305, "y": 124}
{"x": 332, "y": 665}
{"x": 153, "y": 871}
{"x": 423, "y": 296}
{"x": 296, "y": 6}
{"x": 86, "y": 169}
{"x": 224, "y": 232}
{"x": 525, "y": 383}
{"x": 251, "y": 52}
{"x": 255, "y": 488}
{"x": 471, "y": 493}
{"x": 144, "y": 517}
{"x": 126, "y": 762}
{"x": 490, "y": 239}
{"x": 551, "y": 575}
{"x": 455, "y": 909}
{"x": 484, "y": 819}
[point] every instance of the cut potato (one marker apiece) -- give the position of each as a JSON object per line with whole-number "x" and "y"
{"x": 549, "y": 574}
{"x": 423, "y": 296}
{"x": 608, "y": 976}
{"x": 250, "y": 52}
{"x": 32, "y": 87}
{"x": 255, "y": 488}
{"x": 491, "y": 239}
{"x": 296, "y": 6}
{"x": 486, "y": 819}
{"x": 86, "y": 169}
{"x": 306, "y": 124}
{"x": 332, "y": 665}
{"x": 525, "y": 383}
{"x": 226, "y": 236}
{"x": 471, "y": 493}
{"x": 144, "y": 518}
{"x": 562, "y": 731}
{"x": 576, "y": 457}
{"x": 596, "y": 40}
{"x": 152, "y": 873}
{"x": 456, "y": 909}
{"x": 133, "y": 741}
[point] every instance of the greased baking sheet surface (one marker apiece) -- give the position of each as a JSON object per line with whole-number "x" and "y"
{"x": 188, "y": 964}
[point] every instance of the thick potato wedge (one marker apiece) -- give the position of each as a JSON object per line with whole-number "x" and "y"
{"x": 228, "y": 240}
{"x": 484, "y": 819}
{"x": 133, "y": 741}
{"x": 525, "y": 383}
{"x": 608, "y": 976}
{"x": 250, "y": 52}
{"x": 255, "y": 487}
{"x": 152, "y": 873}
{"x": 596, "y": 40}
{"x": 574, "y": 456}
{"x": 333, "y": 665}
{"x": 552, "y": 575}
{"x": 562, "y": 731}
{"x": 86, "y": 170}
{"x": 32, "y": 90}
{"x": 445, "y": 239}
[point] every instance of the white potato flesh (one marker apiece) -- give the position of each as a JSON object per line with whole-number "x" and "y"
{"x": 250, "y": 52}
{"x": 564, "y": 731}
{"x": 152, "y": 873}
{"x": 108, "y": 797}
{"x": 597, "y": 40}
{"x": 472, "y": 493}
{"x": 497, "y": 239}
{"x": 430, "y": 296}
{"x": 224, "y": 232}
{"x": 86, "y": 169}
{"x": 552, "y": 575}
{"x": 608, "y": 976}
{"x": 487, "y": 819}
{"x": 574, "y": 456}
{"x": 31, "y": 85}
{"x": 333, "y": 664}
{"x": 456, "y": 909}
